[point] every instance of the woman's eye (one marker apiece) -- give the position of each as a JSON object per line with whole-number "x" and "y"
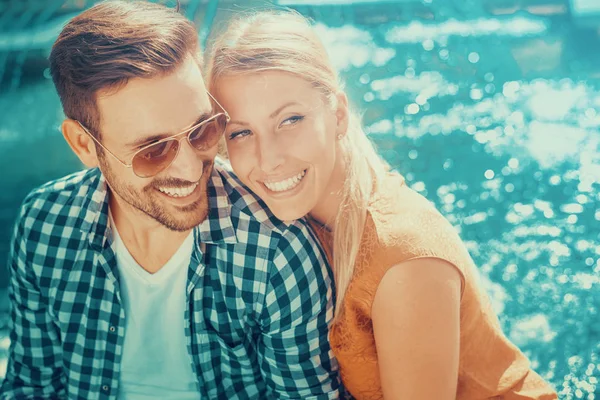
{"x": 292, "y": 120}
{"x": 239, "y": 134}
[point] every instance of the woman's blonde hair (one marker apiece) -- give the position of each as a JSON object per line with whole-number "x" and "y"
{"x": 285, "y": 41}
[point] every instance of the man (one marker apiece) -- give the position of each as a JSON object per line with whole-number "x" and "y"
{"x": 157, "y": 275}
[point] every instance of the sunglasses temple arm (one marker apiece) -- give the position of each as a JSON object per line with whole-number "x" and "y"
{"x": 101, "y": 145}
{"x": 219, "y": 104}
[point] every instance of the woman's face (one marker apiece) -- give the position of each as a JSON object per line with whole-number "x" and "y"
{"x": 281, "y": 139}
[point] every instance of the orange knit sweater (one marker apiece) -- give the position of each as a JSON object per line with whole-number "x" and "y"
{"x": 402, "y": 225}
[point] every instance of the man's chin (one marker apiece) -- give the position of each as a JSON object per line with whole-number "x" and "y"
{"x": 185, "y": 225}
{"x": 181, "y": 219}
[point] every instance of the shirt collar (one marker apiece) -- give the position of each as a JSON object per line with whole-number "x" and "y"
{"x": 218, "y": 226}
{"x": 93, "y": 200}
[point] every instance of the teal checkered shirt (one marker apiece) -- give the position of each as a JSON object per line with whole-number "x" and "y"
{"x": 259, "y": 299}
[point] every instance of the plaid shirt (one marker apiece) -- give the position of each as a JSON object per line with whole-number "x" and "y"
{"x": 259, "y": 299}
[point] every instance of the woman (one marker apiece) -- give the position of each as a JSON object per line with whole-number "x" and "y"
{"x": 412, "y": 321}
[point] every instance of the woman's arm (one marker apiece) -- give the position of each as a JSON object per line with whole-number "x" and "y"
{"x": 416, "y": 319}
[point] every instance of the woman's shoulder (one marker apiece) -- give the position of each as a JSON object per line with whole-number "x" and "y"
{"x": 401, "y": 226}
{"x": 397, "y": 211}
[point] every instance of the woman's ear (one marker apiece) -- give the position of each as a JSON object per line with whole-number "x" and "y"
{"x": 80, "y": 142}
{"x": 342, "y": 115}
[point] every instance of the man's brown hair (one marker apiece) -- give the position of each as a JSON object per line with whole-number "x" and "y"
{"x": 112, "y": 42}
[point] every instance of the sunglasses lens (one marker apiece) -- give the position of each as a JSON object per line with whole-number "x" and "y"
{"x": 154, "y": 159}
{"x": 208, "y": 134}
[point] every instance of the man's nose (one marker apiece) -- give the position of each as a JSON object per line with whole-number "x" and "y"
{"x": 188, "y": 165}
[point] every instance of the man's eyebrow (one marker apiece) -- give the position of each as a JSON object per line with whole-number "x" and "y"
{"x": 159, "y": 136}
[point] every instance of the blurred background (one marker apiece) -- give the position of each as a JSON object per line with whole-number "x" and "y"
{"x": 490, "y": 108}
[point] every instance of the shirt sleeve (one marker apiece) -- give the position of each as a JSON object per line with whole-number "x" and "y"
{"x": 34, "y": 362}
{"x": 294, "y": 352}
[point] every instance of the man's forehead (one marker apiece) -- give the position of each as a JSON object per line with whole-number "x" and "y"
{"x": 152, "y": 106}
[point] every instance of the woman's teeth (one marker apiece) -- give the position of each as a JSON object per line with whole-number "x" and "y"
{"x": 178, "y": 192}
{"x": 286, "y": 184}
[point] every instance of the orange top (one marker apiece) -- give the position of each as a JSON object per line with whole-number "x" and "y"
{"x": 402, "y": 225}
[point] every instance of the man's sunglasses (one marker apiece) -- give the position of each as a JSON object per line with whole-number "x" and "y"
{"x": 156, "y": 157}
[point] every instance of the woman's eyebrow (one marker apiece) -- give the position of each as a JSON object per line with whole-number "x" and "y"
{"x": 273, "y": 114}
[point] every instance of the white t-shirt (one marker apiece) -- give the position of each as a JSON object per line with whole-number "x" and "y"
{"x": 155, "y": 363}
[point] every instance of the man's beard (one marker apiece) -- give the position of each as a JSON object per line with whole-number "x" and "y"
{"x": 147, "y": 202}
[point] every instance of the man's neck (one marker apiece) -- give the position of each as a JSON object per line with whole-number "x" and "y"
{"x": 149, "y": 242}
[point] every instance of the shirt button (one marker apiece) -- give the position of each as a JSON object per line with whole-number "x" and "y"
{"x": 105, "y": 388}
{"x": 112, "y": 329}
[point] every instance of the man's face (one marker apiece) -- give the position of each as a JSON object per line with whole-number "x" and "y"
{"x": 141, "y": 112}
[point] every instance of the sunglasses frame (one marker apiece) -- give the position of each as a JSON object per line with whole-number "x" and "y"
{"x": 177, "y": 137}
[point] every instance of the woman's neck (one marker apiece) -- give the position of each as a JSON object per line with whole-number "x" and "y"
{"x": 328, "y": 206}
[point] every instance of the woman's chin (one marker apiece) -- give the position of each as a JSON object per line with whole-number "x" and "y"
{"x": 289, "y": 216}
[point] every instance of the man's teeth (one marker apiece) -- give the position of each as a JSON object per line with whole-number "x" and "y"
{"x": 178, "y": 192}
{"x": 286, "y": 184}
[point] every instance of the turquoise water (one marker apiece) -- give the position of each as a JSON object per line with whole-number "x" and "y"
{"x": 495, "y": 118}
